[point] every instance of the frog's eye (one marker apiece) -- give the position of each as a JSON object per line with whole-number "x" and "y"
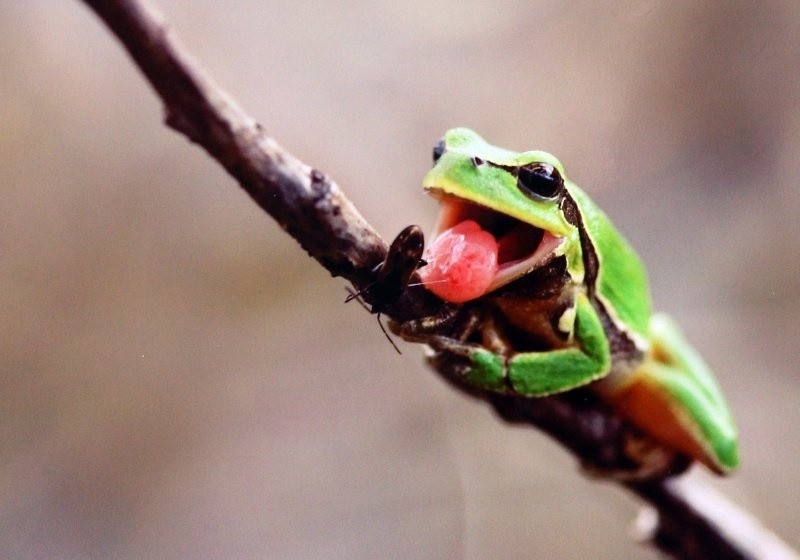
{"x": 438, "y": 150}
{"x": 539, "y": 181}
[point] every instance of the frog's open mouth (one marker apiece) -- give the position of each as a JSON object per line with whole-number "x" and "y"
{"x": 518, "y": 247}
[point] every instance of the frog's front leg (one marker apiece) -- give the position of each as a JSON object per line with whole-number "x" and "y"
{"x": 447, "y": 334}
{"x": 543, "y": 373}
{"x": 490, "y": 366}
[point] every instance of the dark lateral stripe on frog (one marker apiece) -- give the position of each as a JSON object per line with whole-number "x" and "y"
{"x": 622, "y": 346}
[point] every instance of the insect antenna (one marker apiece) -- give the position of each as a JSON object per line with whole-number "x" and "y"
{"x": 353, "y": 295}
{"x": 386, "y": 334}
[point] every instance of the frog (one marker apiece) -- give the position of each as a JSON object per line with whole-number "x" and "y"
{"x": 542, "y": 295}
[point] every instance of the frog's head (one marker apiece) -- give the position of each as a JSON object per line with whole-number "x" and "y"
{"x": 502, "y": 215}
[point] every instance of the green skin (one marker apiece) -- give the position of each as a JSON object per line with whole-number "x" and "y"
{"x": 613, "y": 293}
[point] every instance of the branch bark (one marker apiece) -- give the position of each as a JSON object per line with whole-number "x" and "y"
{"x": 306, "y": 203}
{"x": 685, "y": 520}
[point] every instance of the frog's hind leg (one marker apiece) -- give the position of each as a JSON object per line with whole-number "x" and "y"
{"x": 674, "y": 397}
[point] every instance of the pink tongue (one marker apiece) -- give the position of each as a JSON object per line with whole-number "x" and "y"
{"x": 462, "y": 262}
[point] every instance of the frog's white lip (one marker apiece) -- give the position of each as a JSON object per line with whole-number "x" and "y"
{"x": 523, "y": 247}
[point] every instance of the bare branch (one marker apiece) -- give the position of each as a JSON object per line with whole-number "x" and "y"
{"x": 687, "y": 520}
{"x": 691, "y": 520}
{"x": 314, "y": 211}
{"x": 308, "y": 205}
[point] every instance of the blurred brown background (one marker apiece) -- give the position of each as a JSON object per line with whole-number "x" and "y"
{"x": 180, "y": 381}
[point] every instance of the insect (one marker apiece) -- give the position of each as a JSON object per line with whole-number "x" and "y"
{"x": 394, "y": 274}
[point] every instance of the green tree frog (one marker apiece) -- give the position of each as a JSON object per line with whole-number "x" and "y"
{"x": 546, "y": 296}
